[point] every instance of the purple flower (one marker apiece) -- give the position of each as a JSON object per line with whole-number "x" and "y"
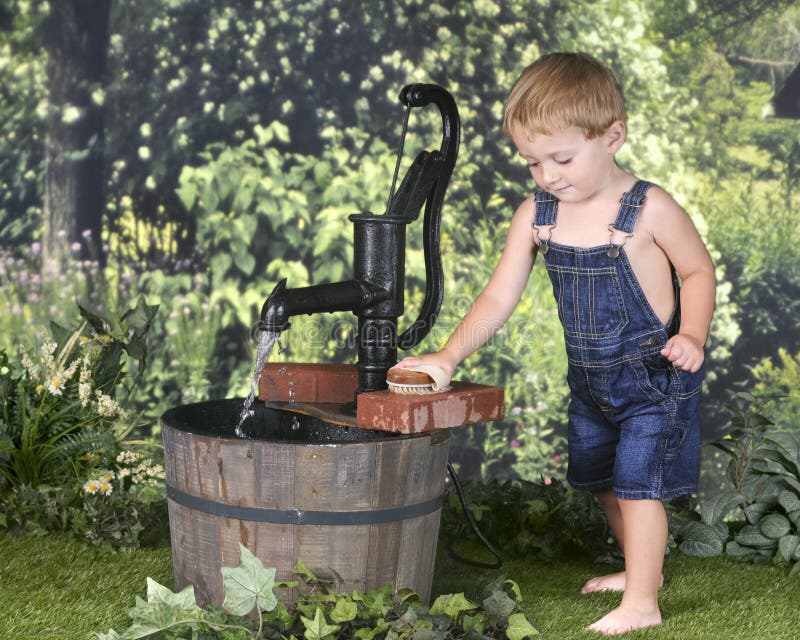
{"x": 36, "y": 248}
{"x": 515, "y": 443}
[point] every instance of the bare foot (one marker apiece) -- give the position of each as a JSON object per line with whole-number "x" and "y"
{"x": 624, "y": 619}
{"x": 609, "y": 582}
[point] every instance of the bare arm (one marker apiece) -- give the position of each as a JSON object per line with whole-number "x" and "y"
{"x": 496, "y": 302}
{"x": 675, "y": 233}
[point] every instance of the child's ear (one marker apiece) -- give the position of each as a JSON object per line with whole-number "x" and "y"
{"x": 614, "y": 136}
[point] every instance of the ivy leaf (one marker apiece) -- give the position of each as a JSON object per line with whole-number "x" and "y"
{"x": 450, "y": 605}
{"x": 499, "y": 605}
{"x": 519, "y": 627}
{"x": 149, "y": 618}
{"x": 344, "y": 611}
{"x": 300, "y": 569}
{"x": 317, "y": 628}
{"x": 700, "y": 540}
{"x": 182, "y": 600}
{"x": 514, "y": 589}
{"x": 248, "y": 584}
{"x": 428, "y": 634}
{"x": 367, "y": 633}
{"x": 474, "y": 623}
{"x": 407, "y": 595}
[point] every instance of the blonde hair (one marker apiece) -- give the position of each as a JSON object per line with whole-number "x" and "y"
{"x": 562, "y": 90}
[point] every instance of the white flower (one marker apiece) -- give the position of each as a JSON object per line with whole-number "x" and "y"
{"x": 91, "y": 486}
{"x": 84, "y": 393}
{"x": 54, "y": 387}
{"x": 127, "y": 457}
{"x": 106, "y": 488}
{"x": 144, "y": 153}
{"x": 107, "y": 406}
{"x": 30, "y": 368}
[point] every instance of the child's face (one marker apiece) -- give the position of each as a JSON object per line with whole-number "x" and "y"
{"x": 568, "y": 165}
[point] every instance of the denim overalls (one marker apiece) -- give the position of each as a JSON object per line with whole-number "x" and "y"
{"x": 633, "y": 417}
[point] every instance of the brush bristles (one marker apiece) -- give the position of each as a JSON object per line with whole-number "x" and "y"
{"x": 419, "y": 389}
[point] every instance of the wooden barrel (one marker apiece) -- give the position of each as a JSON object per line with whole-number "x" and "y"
{"x": 363, "y": 504}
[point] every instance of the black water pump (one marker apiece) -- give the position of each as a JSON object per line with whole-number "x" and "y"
{"x": 375, "y": 294}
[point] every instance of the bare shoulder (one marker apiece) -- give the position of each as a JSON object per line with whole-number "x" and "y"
{"x": 523, "y": 218}
{"x": 661, "y": 211}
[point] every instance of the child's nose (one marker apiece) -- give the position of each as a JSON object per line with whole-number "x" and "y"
{"x": 549, "y": 174}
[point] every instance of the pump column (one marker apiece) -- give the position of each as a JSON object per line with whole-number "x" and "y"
{"x": 379, "y": 254}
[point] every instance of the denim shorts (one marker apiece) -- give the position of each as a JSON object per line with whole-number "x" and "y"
{"x": 634, "y": 428}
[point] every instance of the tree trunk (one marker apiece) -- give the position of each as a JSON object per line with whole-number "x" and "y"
{"x": 76, "y": 35}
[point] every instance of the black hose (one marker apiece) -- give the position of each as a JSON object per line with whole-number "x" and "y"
{"x": 453, "y": 553}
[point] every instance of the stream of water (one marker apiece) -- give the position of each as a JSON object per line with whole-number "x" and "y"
{"x": 265, "y": 344}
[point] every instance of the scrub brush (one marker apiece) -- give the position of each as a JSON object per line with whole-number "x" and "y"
{"x": 422, "y": 379}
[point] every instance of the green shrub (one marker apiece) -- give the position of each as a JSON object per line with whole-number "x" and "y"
{"x": 64, "y": 459}
{"x": 755, "y": 514}
{"x": 543, "y": 519}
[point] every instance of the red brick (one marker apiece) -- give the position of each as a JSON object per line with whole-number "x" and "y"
{"x": 465, "y": 403}
{"x": 308, "y": 382}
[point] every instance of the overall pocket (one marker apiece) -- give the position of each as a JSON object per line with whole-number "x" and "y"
{"x": 590, "y": 303}
{"x": 656, "y": 378}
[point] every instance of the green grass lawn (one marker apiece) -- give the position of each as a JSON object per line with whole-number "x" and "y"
{"x": 54, "y": 589}
{"x": 702, "y": 599}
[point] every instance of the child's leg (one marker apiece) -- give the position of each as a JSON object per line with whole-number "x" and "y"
{"x": 645, "y": 534}
{"x": 612, "y": 581}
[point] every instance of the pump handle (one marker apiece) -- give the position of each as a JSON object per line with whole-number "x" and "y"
{"x": 419, "y": 95}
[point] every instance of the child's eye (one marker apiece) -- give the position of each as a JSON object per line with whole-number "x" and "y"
{"x": 533, "y": 165}
{"x": 562, "y": 162}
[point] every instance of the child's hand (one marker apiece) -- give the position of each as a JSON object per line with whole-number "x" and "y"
{"x": 438, "y": 358}
{"x": 684, "y": 352}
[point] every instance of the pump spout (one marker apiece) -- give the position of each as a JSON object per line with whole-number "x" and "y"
{"x": 283, "y": 303}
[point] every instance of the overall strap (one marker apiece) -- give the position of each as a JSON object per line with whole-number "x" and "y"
{"x": 546, "y": 207}
{"x": 630, "y": 204}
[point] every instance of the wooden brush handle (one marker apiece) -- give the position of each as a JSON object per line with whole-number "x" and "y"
{"x": 406, "y": 376}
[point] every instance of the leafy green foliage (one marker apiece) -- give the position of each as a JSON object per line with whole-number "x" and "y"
{"x": 248, "y": 585}
{"x": 322, "y": 613}
{"x": 63, "y": 405}
{"x": 262, "y": 125}
{"x": 756, "y": 514}
{"x": 531, "y": 519}
{"x": 64, "y": 463}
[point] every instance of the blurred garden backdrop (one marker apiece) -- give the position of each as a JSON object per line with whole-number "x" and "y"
{"x": 190, "y": 153}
